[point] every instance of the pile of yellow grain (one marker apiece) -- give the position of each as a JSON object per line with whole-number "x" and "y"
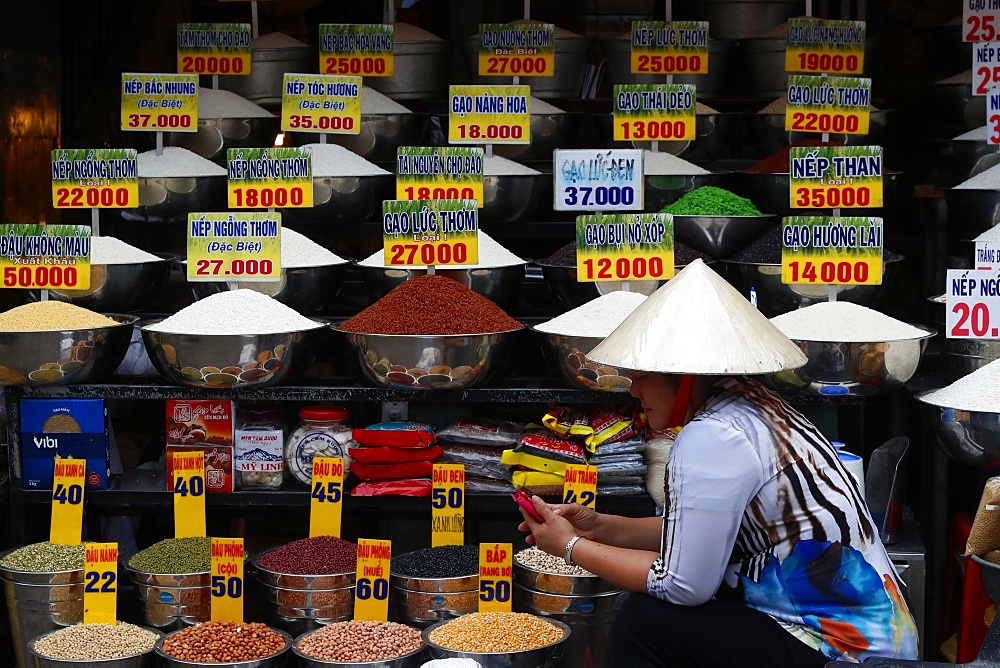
{"x": 51, "y": 316}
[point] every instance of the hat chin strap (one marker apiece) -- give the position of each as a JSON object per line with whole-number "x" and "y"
{"x": 678, "y": 410}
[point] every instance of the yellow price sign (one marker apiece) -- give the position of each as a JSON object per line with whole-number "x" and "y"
{"x": 439, "y": 172}
{"x": 100, "y": 178}
{"x": 669, "y": 47}
{"x": 213, "y": 48}
{"x": 371, "y": 592}
{"x": 66, "y": 526}
{"x": 433, "y": 232}
{"x": 227, "y": 580}
{"x": 359, "y": 49}
{"x": 495, "y": 572}
{"x": 160, "y": 102}
{"x": 100, "y": 588}
{"x": 654, "y": 112}
{"x": 516, "y": 50}
{"x": 265, "y": 178}
{"x": 489, "y": 115}
{"x": 189, "y": 494}
{"x": 835, "y": 177}
{"x": 448, "y": 504}
{"x": 321, "y": 103}
{"x": 821, "y": 250}
{"x": 839, "y": 105}
{"x": 825, "y": 46}
{"x": 234, "y": 246}
{"x": 326, "y": 504}
{"x": 45, "y": 256}
{"x": 580, "y": 485}
{"x": 625, "y": 247}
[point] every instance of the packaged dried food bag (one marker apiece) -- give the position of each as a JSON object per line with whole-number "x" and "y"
{"x": 395, "y": 455}
{"x": 633, "y": 445}
{"x": 537, "y": 482}
{"x": 568, "y": 421}
{"x": 482, "y": 431}
{"x": 495, "y": 472}
{"x": 463, "y": 453}
{"x": 627, "y": 458}
{"x": 985, "y": 533}
{"x": 391, "y": 471}
{"x": 475, "y": 484}
{"x": 601, "y": 425}
{"x": 620, "y": 490}
{"x": 416, "y": 487}
{"x": 544, "y": 452}
{"x": 398, "y": 434}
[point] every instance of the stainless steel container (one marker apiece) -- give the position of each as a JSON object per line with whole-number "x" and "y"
{"x": 171, "y": 601}
{"x": 271, "y": 661}
{"x": 566, "y": 357}
{"x": 301, "y": 603}
{"x": 968, "y": 437}
{"x": 421, "y": 602}
{"x": 737, "y": 19}
{"x": 548, "y": 656}
{"x": 267, "y": 71}
{"x": 126, "y": 288}
{"x": 498, "y": 284}
{"x": 215, "y": 136}
{"x": 169, "y": 199}
{"x": 720, "y": 236}
{"x": 144, "y": 660}
{"x": 40, "y": 602}
{"x": 308, "y": 290}
{"x": 571, "y": 293}
{"x": 421, "y": 71}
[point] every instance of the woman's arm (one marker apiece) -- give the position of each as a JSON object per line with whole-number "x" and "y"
{"x": 639, "y": 533}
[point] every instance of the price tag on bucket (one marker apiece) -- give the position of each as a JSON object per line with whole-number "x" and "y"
{"x": 66, "y": 526}
{"x": 581, "y": 485}
{"x": 597, "y": 180}
{"x": 669, "y": 47}
{"x": 819, "y": 250}
{"x": 516, "y": 50}
{"x": 828, "y": 104}
{"x": 45, "y": 256}
{"x": 972, "y": 304}
{"x": 489, "y": 115}
{"x": 371, "y": 592}
{"x": 448, "y": 505}
{"x": 654, "y": 112}
{"x": 495, "y": 572}
{"x": 835, "y": 177}
{"x": 243, "y": 246}
{"x": 189, "y": 494}
{"x": 361, "y": 49}
{"x": 266, "y": 178}
{"x": 325, "y": 507}
{"x": 100, "y": 588}
{"x": 439, "y": 172}
{"x": 625, "y": 247}
{"x": 824, "y": 46}
{"x": 321, "y": 103}
{"x": 227, "y": 580}
{"x": 213, "y": 48}
{"x": 434, "y": 232}
{"x": 99, "y": 178}
{"x": 160, "y": 102}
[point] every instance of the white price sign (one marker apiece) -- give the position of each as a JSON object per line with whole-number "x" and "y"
{"x": 980, "y": 21}
{"x": 993, "y": 117}
{"x": 597, "y": 180}
{"x": 987, "y": 256}
{"x": 985, "y": 67}
{"x": 972, "y": 304}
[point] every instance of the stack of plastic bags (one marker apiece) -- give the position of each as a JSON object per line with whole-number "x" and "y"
{"x": 479, "y": 443}
{"x": 394, "y": 458}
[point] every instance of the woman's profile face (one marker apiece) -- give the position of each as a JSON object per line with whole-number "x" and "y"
{"x": 656, "y": 392}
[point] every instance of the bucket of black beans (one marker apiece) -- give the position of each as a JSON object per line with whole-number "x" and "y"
{"x": 434, "y": 583}
{"x": 225, "y": 645}
{"x": 43, "y": 585}
{"x": 308, "y": 582}
{"x": 545, "y": 585}
{"x": 119, "y": 645}
{"x": 172, "y": 578}
{"x": 359, "y": 643}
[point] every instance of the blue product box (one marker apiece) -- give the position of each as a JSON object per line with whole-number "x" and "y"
{"x": 68, "y": 428}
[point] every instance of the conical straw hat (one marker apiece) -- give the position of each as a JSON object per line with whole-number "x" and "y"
{"x": 698, "y": 324}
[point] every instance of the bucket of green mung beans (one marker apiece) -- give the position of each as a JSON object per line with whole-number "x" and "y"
{"x": 119, "y": 645}
{"x": 172, "y": 579}
{"x": 43, "y": 585}
{"x": 434, "y": 583}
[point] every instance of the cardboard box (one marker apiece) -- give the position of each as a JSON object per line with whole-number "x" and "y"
{"x": 75, "y": 428}
{"x": 208, "y": 421}
{"x": 218, "y": 465}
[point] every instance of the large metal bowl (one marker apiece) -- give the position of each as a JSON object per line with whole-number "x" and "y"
{"x": 772, "y": 193}
{"x": 548, "y": 655}
{"x": 232, "y": 360}
{"x": 568, "y": 70}
{"x": 169, "y": 199}
{"x": 447, "y": 362}
{"x": 338, "y": 199}
{"x": 664, "y": 189}
{"x": 972, "y": 212}
{"x": 953, "y": 107}
{"x": 420, "y": 71}
{"x": 215, "y": 136}
{"x": 274, "y": 578}
{"x": 618, "y": 63}
{"x": 570, "y": 292}
{"x": 990, "y": 574}
{"x": 498, "y": 284}
{"x": 547, "y": 133}
{"x": 560, "y": 583}
{"x": 566, "y": 357}
{"x": 379, "y": 137}
{"x": 408, "y": 660}
{"x": 958, "y": 160}
{"x": 267, "y": 72}
{"x": 738, "y": 19}
{"x": 967, "y": 437}
{"x": 127, "y": 288}
{"x": 720, "y": 236}
{"x": 775, "y": 297}
{"x": 270, "y": 661}
{"x": 141, "y": 660}
{"x": 511, "y": 198}
{"x": 769, "y": 134}
{"x": 308, "y": 290}
{"x": 836, "y": 368}
{"x": 172, "y": 601}
{"x": 64, "y": 357}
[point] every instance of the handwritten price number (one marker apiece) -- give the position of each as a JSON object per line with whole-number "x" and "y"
{"x": 669, "y": 64}
{"x": 227, "y": 586}
{"x": 92, "y": 197}
{"x": 72, "y": 495}
{"x": 814, "y": 122}
{"x": 237, "y": 266}
{"x": 26, "y": 277}
{"x": 977, "y": 316}
{"x": 599, "y": 196}
{"x": 438, "y": 193}
{"x": 586, "y": 498}
{"x": 321, "y": 123}
{"x": 820, "y": 198}
{"x": 494, "y": 591}
{"x": 515, "y": 65}
{"x": 624, "y": 268}
{"x": 446, "y": 498}
{"x": 828, "y": 272}
{"x": 330, "y": 493}
{"x": 981, "y": 29}
{"x": 94, "y": 578}
{"x": 195, "y": 486}
{"x": 211, "y": 65}
{"x": 826, "y": 62}
{"x": 654, "y": 129}
{"x": 162, "y": 121}
{"x": 429, "y": 253}
{"x": 354, "y": 65}
{"x": 268, "y": 197}
{"x": 377, "y": 589}
{"x": 490, "y": 132}
{"x": 989, "y": 78}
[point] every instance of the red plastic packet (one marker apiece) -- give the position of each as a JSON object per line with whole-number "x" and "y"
{"x": 391, "y": 471}
{"x": 401, "y": 434}
{"x": 420, "y": 487}
{"x": 395, "y": 455}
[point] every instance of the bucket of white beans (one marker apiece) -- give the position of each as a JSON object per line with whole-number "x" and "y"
{"x": 119, "y": 645}
{"x": 360, "y": 643}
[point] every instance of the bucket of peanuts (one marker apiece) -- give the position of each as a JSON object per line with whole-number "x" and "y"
{"x": 357, "y": 643}
{"x": 224, "y": 645}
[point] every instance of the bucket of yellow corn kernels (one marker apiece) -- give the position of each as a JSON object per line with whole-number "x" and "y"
{"x": 494, "y": 639}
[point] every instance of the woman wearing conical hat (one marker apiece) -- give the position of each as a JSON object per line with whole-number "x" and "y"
{"x": 766, "y": 554}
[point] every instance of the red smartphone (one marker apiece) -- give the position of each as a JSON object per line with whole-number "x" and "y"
{"x": 523, "y": 500}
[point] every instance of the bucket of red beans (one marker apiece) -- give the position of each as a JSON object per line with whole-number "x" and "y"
{"x": 360, "y": 643}
{"x": 224, "y": 645}
{"x": 308, "y": 582}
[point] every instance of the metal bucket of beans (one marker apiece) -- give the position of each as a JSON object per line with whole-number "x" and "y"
{"x": 44, "y": 590}
{"x": 180, "y": 597}
{"x": 499, "y": 640}
{"x": 360, "y": 643}
{"x": 225, "y": 645}
{"x": 435, "y": 583}
{"x": 120, "y": 645}
{"x": 308, "y": 582}
{"x": 547, "y": 586}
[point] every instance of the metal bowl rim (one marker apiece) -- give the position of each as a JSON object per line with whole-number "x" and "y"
{"x": 922, "y": 398}
{"x": 564, "y": 575}
{"x": 130, "y": 569}
{"x": 95, "y": 662}
{"x": 158, "y": 648}
{"x": 125, "y": 320}
{"x": 143, "y": 328}
{"x": 426, "y": 635}
{"x": 414, "y": 337}
{"x": 928, "y": 333}
{"x": 255, "y": 560}
{"x": 299, "y": 653}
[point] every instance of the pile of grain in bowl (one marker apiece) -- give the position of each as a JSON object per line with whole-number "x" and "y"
{"x": 491, "y": 255}
{"x": 597, "y": 318}
{"x": 52, "y": 316}
{"x": 223, "y": 642}
{"x": 242, "y": 312}
{"x": 335, "y": 160}
{"x": 218, "y": 103}
{"x": 175, "y": 162}
{"x": 974, "y": 392}
{"x": 374, "y": 102}
{"x": 298, "y": 250}
{"x": 495, "y": 165}
{"x": 45, "y": 557}
{"x": 658, "y": 163}
{"x": 540, "y": 560}
{"x": 360, "y": 641}
{"x": 844, "y": 322}
{"x": 494, "y": 632}
{"x": 96, "y": 642}
{"x": 111, "y": 250}
{"x": 175, "y": 555}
